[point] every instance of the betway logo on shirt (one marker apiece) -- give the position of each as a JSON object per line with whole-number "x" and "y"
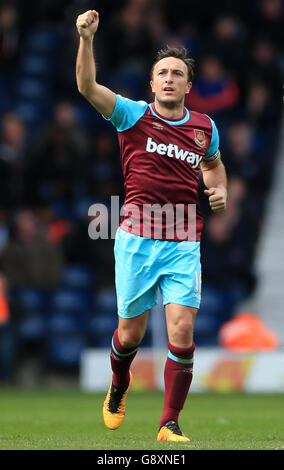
{"x": 173, "y": 151}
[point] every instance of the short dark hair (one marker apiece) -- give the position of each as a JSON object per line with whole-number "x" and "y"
{"x": 178, "y": 53}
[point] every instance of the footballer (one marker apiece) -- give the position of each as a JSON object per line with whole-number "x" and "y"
{"x": 163, "y": 147}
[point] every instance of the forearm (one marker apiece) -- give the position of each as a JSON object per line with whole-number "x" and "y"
{"x": 99, "y": 96}
{"x": 85, "y": 66}
{"x": 215, "y": 177}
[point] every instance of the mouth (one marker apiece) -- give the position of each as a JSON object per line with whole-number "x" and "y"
{"x": 168, "y": 89}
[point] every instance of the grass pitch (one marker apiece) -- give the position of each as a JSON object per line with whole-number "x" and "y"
{"x": 72, "y": 420}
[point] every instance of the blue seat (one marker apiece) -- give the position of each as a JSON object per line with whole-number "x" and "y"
{"x": 32, "y": 88}
{"x": 78, "y": 277}
{"x": 31, "y": 112}
{"x": 205, "y": 323}
{"x": 71, "y": 300}
{"x": 30, "y": 299}
{"x": 102, "y": 322}
{"x": 87, "y": 117}
{"x": 216, "y": 307}
{"x": 66, "y": 337}
{"x": 36, "y": 64}
{"x": 65, "y": 350}
{"x": 81, "y": 206}
{"x": 101, "y": 327}
{"x": 130, "y": 77}
{"x": 106, "y": 300}
{"x": 67, "y": 322}
{"x": 32, "y": 327}
{"x": 42, "y": 40}
{"x": 102, "y": 341}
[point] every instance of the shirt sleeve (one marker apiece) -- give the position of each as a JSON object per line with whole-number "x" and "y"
{"x": 126, "y": 113}
{"x": 213, "y": 150}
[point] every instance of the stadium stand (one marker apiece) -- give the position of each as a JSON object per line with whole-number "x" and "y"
{"x": 267, "y": 298}
{"x": 57, "y": 156}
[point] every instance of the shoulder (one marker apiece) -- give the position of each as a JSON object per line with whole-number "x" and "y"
{"x": 127, "y": 112}
{"x": 204, "y": 122}
{"x": 202, "y": 119}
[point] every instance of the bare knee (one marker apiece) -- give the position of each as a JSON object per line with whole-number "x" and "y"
{"x": 180, "y": 323}
{"x": 132, "y": 330}
{"x": 129, "y": 338}
{"x": 181, "y": 334}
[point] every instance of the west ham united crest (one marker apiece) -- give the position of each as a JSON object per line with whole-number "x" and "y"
{"x": 199, "y": 137}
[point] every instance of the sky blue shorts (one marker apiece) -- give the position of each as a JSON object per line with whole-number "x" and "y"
{"x": 142, "y": 265}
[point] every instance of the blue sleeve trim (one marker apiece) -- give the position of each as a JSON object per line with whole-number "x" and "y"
{"x": 214, "y": 144}
{"x": 126, "y": 113}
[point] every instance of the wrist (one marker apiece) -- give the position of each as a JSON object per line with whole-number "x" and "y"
{"x": 87, "y": 39}
{"x": 222, "y": 187}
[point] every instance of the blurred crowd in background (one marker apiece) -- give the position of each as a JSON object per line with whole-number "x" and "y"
{"x": 58, "y": 156}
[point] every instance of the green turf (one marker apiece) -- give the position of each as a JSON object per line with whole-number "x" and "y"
{"x": 59, "y": 420}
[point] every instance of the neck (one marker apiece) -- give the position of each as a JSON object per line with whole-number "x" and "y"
{"x": 170, "y": 110}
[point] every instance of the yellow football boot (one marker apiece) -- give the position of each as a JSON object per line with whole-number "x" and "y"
{"x": 114, "y": 406}
{"x": 170, "y": 431}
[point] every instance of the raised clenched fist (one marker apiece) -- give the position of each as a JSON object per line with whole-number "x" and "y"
{"x": 87, "y": 23}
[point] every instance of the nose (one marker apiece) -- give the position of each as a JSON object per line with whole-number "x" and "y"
{"x": 169, "y": 78}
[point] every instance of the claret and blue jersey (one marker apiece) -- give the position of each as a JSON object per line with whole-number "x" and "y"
{"x": 160, "y": 158}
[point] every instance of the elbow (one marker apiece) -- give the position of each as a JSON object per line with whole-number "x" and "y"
{"x": 83, "y": 90}
{"x": 83, "y": 87}
{"x": 86, "y": 89}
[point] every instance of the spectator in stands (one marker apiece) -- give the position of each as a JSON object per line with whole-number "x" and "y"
{"x": 28, "y": 263}
{"x": 13, "y": 138}
{"x": 59, "y": 159}
{"x": 9, "y": 37}
{"x": 13, "y": 160}
{"x": 104, "y": 167}
{"x": 238, "y": 82}
{"x": 157, "y": 27}
{"x": 29, "y": 260}
{"x": 228, "y": 244}
{"x": 245, "y": 160}
{"x": 263, "y": 65}
{"x": 269, "y": 20}
{"x": 4, "y": 228}
{"x": 132, "y": 48}
{"x": 228, "y": 34}
{"x": 260, "y": 110}
{"x": 129, "y": 36}
{"x": 213, "y": 90}
{"x": 7, "y": 338}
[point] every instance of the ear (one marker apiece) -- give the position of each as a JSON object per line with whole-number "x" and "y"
{"x": 189, "y": 86}
{"x": 151, "y": 85}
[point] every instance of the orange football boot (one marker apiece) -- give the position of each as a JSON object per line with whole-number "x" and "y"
{"x": 170, "y": 431}
{"x": 114, "y": 406}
